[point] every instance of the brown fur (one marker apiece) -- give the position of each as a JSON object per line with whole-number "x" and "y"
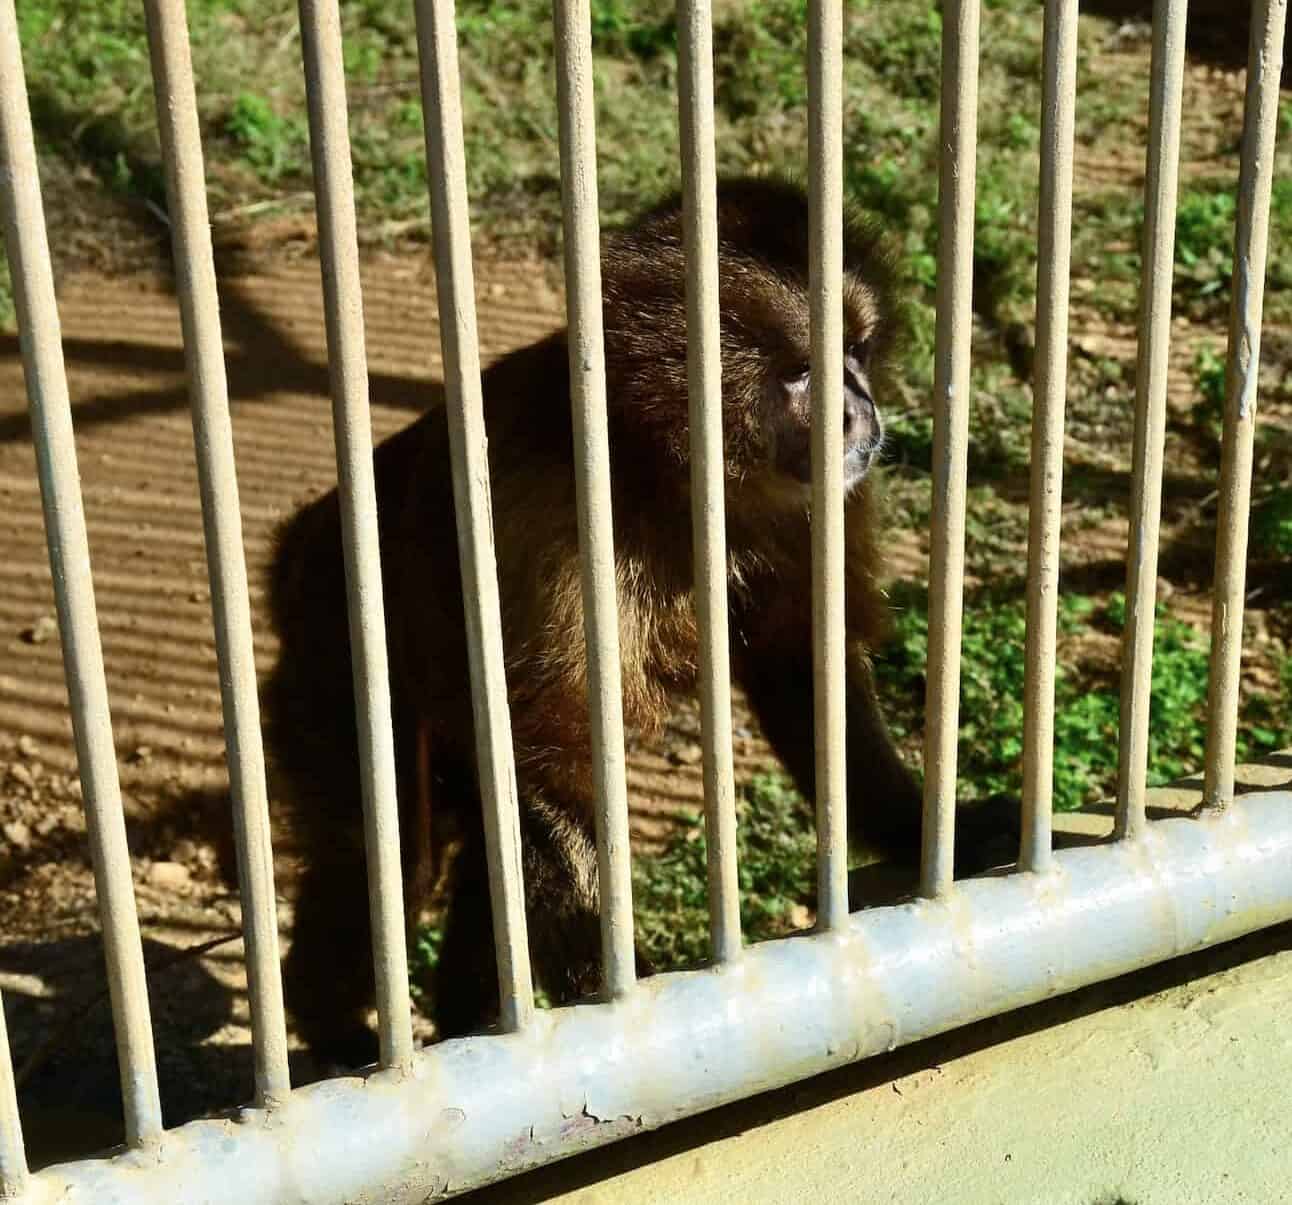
{"x": 763, "y": 261}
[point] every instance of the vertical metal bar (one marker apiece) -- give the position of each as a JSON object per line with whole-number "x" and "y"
{"x": 1166, "y": 81}
{"x": 592, "y": 483}
{"x": 352, "y": 425}
{"x": 13, "y": 1156}
{"x": 27, "y": 247}
{"x": 708, "y": 515}
{"x": 222, "y": 523}
{"x": 1054, "y": 257}
{"x": 825, "y": 287}
{"x": 956, "y": 178}
{"x": 1241, "y": 378}
{"x": 446, "y": 161}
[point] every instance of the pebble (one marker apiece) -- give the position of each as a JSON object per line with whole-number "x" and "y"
{"x": 687, "y": 755}
{"x": 22, "y": 774}
{"x": 27, "y": 746}
{"x": 17, "y": 834}
{"x": 169, "y": 876}
{"x": 44, "y": 629}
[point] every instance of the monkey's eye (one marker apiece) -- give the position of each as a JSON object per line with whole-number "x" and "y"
{"x": 796, "y": 374}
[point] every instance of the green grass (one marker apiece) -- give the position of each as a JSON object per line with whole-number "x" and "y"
{"x": 1271, "y": 533}
{"x": 1086, "y": 699}
{"x": 776, "y": 850}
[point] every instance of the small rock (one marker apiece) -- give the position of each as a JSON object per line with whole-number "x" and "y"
{"x": 27, "y": 747}
{"x": 801, "y": 916}
{"x": 44, "y": 629}
{"x": 169, "y": 876}
{"x": 140, "y": 755}
{"x": 46, "y": 824}
{"x": 17, "y": 834}
{"x": 22, "y": 774}
{"x": 687, "y": 755}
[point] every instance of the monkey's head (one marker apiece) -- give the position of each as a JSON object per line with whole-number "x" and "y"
{"x": 765, "y": 311}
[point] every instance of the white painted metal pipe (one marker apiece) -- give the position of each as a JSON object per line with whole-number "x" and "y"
{"x": 956, "y": 179}
{"x": 1054, "y": 259}
{"x": 13, "y": 1155}
{"x": 825, "y": 288}
{"x": 352, "y": 424}
{"x": 451, "y": 227}
{"x": 592, "y": 484}
{"x": 708, "y": 514}
{"x": 222, "y": 524}
{"x": 480, "y": 1108}
{"x": 27, "y": 247}
{"x": 1242, "y": 371}
{"x": 1167, "y": 80}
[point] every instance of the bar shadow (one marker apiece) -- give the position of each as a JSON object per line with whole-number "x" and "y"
{"x": 261, "y": 360}
{"x": 64, "y": 1053}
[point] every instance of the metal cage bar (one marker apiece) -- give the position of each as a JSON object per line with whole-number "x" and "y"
{"x": 222, "y": 523}
{"x": 356, "y": 486}
{"x": 1242, "y": 372}
{"x": 825, "y": 288}
{"x": 1167, "y": 81}
{"x": 592, "y": 484}
{"x": 446, "y": 160}
{"x": 27, "y": 247}
{"x": 956, "y": 180}
{"x": 708, "y": 514}
{"x": 14, "y": 1176}
{"x": 1054, "y": 258}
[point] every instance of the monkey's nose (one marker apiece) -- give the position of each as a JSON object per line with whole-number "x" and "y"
{"x": 860, "y": 421}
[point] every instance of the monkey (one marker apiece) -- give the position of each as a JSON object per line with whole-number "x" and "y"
{"x": 766, "y": 420}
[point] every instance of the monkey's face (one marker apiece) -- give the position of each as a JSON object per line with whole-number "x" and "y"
{"x": 787, "y": 415}
{"x": 765, "y": 321}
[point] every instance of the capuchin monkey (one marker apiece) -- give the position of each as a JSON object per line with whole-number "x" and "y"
{"x": 766, "y": 414}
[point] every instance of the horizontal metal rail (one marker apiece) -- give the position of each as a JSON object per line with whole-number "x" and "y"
{"x": 477, "y": 1109}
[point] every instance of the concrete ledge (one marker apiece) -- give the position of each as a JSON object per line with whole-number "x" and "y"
{"x": 1166, "y": 1087}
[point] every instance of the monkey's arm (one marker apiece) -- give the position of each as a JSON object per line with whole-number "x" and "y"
{"x": 883, "y": 797}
